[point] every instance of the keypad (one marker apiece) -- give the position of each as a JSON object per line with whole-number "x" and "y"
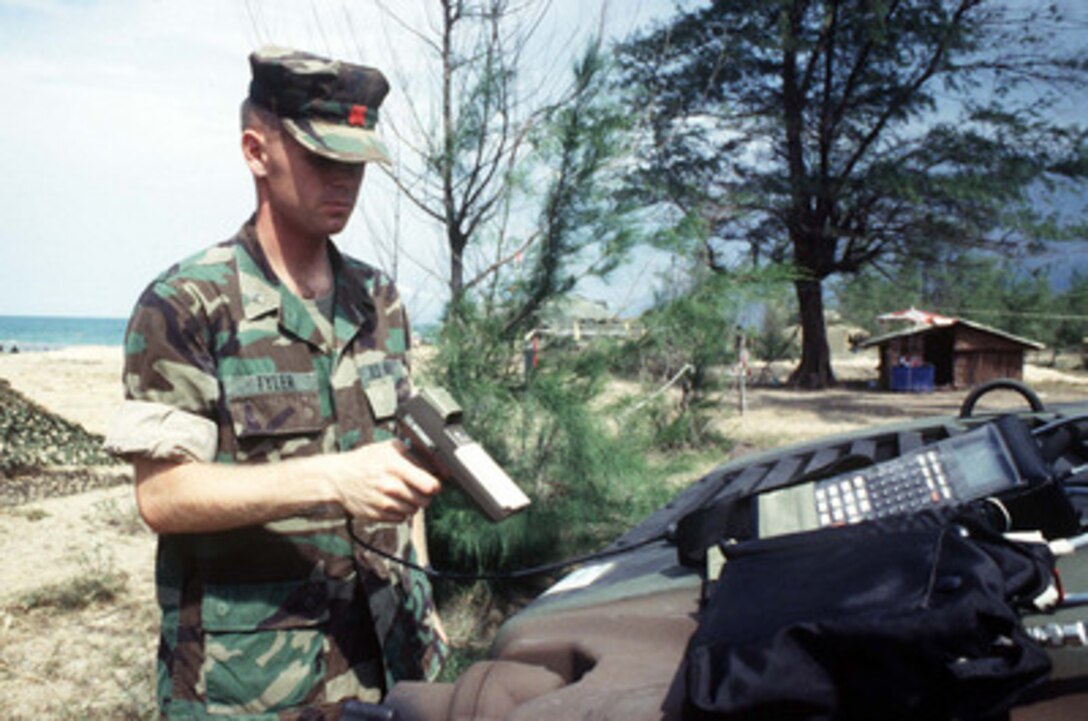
{"x": 902, "y": 485}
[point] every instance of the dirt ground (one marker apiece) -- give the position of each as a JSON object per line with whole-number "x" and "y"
{"x": 95, "y": 661}
{"x": 776, "y": 416}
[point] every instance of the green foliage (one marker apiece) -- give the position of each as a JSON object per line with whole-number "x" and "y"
{"x": 699, "y": 324}
{"x": 697, "y": 329}
{"x": 511, "y": 166}
{"x": 976, "y": 287}
{"x": 583, "y": 227}
{"x": 587, "y": 482}
{"x": 777, "y": 336}
{"x": 837, "y": 134}
{"x": 459, "y": 661}
{"x": 998, "y": 293}
{"x": 693, "y": 332}
{"x": 691, "y": 428}
{"x": 864, "y": 296}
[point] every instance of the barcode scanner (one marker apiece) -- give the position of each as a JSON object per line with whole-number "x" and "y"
{"x": 430, "y": 422}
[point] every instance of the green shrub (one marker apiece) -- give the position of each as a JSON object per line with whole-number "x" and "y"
{"x": 587, "y": 481}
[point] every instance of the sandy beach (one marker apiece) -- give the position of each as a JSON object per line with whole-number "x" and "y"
{"x": 81, "y": 383}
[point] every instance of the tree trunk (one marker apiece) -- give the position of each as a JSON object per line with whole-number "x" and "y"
{"x": 457, "y": 243}
{"x": 814, "y": 372}
{"x": 454, "y": 238}
{"x": 812, "y": 251}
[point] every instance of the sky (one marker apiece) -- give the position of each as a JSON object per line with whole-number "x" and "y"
{"x": 120, "y": 149}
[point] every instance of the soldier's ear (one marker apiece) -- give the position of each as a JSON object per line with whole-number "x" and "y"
{"x": 255, "y": 151}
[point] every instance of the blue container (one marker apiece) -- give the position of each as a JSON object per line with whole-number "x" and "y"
{"x": 913, "y": 379}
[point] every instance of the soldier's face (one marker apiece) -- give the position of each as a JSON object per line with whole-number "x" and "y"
{"x": 316, "y": 195}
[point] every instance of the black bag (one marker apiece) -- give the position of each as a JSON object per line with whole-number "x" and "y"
{"x": 906, "y": 618}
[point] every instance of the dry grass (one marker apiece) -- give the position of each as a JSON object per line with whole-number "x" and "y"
{"x": 776, "y": 416}
{"x": 94, "y": 661}
{"x": 77, "y": 613}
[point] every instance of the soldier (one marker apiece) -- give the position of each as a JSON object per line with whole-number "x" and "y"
{"x": 262, "y": 378}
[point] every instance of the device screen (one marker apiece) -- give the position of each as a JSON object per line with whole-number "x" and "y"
{"x": 981, "y": 462}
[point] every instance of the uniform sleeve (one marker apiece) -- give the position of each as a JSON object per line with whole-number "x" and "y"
{"x": 171, "y": 390}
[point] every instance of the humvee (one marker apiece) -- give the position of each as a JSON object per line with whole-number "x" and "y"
{"x": 608, "y": 640}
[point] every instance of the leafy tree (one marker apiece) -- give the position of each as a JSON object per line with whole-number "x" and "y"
{"x": 834, "y": 133}
{"x": 864, "y": 296}
{"x": 585, "y": 479}
{"x": 467, "y": 133}
{"x": 485, "y": 136}
{"x": 582, "y": 227}
{"x": 777, "y": 336}
{"x": 695, "y": 326}
{"x": 996, "y": 292}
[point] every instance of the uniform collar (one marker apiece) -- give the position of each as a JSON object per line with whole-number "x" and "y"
{"x": 263, "y": 293}
{"x": 259, "y": 286}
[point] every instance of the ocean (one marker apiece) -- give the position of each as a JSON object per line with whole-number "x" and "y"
{"x": 43, "y": 332}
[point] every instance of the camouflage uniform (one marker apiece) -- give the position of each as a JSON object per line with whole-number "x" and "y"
{"x": 224, "y": 364}
{"x": 288, "y": 614}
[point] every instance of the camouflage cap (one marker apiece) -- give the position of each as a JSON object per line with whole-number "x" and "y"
{"x": 330, "y": 107}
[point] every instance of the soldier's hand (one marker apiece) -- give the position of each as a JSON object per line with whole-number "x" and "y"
{"x": 380, "y": 482}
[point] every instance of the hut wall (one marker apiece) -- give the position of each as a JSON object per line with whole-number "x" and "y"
{"x": 974, "y": 367}
{"x": 981, "y": 357}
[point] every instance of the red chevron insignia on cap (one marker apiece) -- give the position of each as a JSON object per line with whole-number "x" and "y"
{"x": 357, "y": 116}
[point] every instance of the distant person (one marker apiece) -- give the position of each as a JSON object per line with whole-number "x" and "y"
{"x": 261, "y": 380}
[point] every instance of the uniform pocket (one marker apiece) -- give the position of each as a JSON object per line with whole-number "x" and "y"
{"x": 380, "y": 386}
{"x": 274, "y": 404}
{"x": 263, "y": 645}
